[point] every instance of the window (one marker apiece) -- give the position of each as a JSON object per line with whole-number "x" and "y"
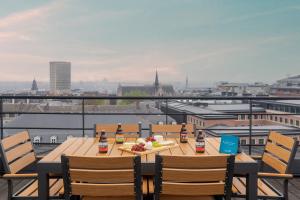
{"x": 69, "y": 136}
{"x": 53, "y": 139}
{"x": 37, "y": 139}
{"x": 285, "y": 120}
{"x": 297, "y": 123}
{"x": 261, "y": 141}
{"x": 243, "y": 142}
{"x": 242, "y": 117}
{"x": 275, "y": 118}
{"x": 271, "y": 118}
{"x": 280, "y": 119}
{"x": 252, "y": 141}
{"x": 291, "y": 122}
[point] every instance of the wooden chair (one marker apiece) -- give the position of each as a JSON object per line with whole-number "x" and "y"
{"x": 171, "y": 130}
{"x": 131, "y": 130}
{"x": 193, "y": 177}
{"x": 17, "y": 154}
{"x": 102, "y": 177}
{"x": 278, "y": 156}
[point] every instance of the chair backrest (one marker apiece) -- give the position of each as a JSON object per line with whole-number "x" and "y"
{"x": 17, "y": 152}
{"x": 133, "y": 130}
{"x": 203, "y": 175}
{"x": 102, "y": 176}
{"x": 279, "y": 152}
{"x": 171, "y": 129}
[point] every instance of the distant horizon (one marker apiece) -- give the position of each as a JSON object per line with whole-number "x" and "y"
{"x": 126, "y": 41}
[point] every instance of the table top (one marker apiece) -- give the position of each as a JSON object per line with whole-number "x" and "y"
{"x": 80, "y": 146}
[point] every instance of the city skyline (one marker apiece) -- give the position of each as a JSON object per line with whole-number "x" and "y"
{"x": 126, "y": 41}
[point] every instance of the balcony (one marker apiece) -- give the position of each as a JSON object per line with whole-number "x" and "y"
{"x": 50, "y": 120}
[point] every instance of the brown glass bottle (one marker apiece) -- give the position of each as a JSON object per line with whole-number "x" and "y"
{"x": 119, "y": 135}
{"x": 183, "y": 134}
{"x": 103, "y": 146}
{"x": 200, "y": 143}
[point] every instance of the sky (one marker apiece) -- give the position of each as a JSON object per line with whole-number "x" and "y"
{"x": 206, "y": 40}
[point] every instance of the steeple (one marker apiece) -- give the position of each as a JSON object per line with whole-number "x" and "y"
{"x": 34, "y": 86}
{"x": 186, "y": 82}
{"x": 156, "y": 83}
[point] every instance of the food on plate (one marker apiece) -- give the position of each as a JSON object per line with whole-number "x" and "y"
{"x": 150, "y": 139}
{"x": 167, "y": 143}
{"x": 148, "y": 145}
{"x": 158, "y": 138}
{"x": 156, "y": 144}
{"x": 141, "y": 140}
{"x": 138, "y": 147}
{"x": 128, "y": 145}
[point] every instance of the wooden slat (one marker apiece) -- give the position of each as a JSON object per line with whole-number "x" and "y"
{"x": 265, "y": 189}
{"x": 278, "y": 151}
{"x": 18, "y": 151}
{"x": 95, "y": 162}
{"x": 56, "y": 187}
{"x": 192, "y": 189}
{"x": 186, "y": 148}
{"x": 151, "y": 185}
{"x": 172, "y": 197}
{"x": 274, "y": 163}
{"x": 70, "y": 150}
{"x": 241, "y": 189}
{"x": 15, "y": 139}
{"x": 85, "y": 147}
{"x": 112, "y": 128}
{"x": 193, "y": 175}
{"x": 58, "y": 151}
{"x": 283, "y": 140}
{"x": 22, "y": 162}
{"x": 195, "y": 162}
{"x": 30, "y": 189}
{"x": 171, "y": 128}
{"x": 102, "y": 176}
{"x": 108, "y": 198}
{"x": 145, "y": 186}
{"x": 102, "y": 189}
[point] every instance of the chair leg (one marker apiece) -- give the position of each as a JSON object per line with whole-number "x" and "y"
{"x": 9, "y": 189}
{"x": 286, "y": 189}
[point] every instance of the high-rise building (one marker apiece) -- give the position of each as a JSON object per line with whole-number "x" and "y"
{"x": 60, "y": 77}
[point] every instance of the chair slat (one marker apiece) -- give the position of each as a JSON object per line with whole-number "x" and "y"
{"x": 18, "y": 151}
{"x": 274, "y": 163}
{"x": 278, "y": 151}
{"x": 283, "y": 140}
{"x": 188, "y": 175}
{"x": 22, "y": 162}
{"x": 100, "y": 190}
{"x": 102, "y": 176}
{"x": 172, "y": 128}
{"x": 192, "y": 189}
{"x": 15, "y": 139}
{"x": 104, "y": 163}
{"x": 207, "y": 161}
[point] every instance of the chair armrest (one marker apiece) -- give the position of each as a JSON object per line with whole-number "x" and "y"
{"x": 256, "y": 157}
{"x": 19, "y": 176}
{"x": 274, "y": 175}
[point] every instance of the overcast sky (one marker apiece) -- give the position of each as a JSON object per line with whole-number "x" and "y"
{"x": 241, "y": 41}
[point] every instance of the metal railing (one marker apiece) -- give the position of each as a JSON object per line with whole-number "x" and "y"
{"x": 162, "y": 100}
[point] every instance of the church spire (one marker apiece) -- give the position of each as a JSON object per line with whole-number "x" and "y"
{"x": 156, "y": 83}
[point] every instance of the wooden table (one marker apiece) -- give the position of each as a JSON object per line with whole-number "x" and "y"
{"x": 244, "y": 164}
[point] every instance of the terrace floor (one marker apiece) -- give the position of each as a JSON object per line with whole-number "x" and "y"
{"x": 294, "y": 188}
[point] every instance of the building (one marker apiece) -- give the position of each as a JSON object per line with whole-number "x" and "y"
{"x": 286, "y": 87}
{"x": 243, "y": 89}
{"x": 157, "y": 89}
{"x": 60, "y": 77}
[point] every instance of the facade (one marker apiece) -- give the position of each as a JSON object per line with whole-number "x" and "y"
{"x": 60, "y": 77}
{"x": 243, "y": 89}
{"x": 157, "y": 89}
{"x": 286, "y": 87}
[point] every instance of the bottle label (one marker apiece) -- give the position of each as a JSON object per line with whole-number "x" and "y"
{"x": 200, "y": 147}
{"x": 103, "y": 147}
{"x": 120, "y": 138}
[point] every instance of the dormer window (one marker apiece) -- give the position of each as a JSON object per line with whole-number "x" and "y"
{"x": 53, "y": 139}
{"x": 37, "y": 139}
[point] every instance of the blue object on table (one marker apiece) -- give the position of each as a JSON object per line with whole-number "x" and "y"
{"x": 229, "y": 144}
